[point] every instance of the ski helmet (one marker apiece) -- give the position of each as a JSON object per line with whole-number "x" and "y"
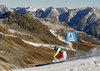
{"x": 56, "y": 47}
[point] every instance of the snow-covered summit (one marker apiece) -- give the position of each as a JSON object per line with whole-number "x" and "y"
{"x": 51, "y": 9}
{"x": 4, "y": 8}
{"x": 43, "y": 9}
{"x": 30, "y": 9}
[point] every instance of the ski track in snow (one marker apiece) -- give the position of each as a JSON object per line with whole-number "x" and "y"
{"x": 89, "y": 63}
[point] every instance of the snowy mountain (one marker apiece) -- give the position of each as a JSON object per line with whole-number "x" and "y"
{"x": 21, "y": 11}
{"x": 28, "y": 47}
{"x": 4, "y": 9}
{"x": 16, "y": 8}
{"x": 27, "y": 8}
{"x": 86, "y": 19}
{"x": 30, "y": 9}
{"x": 26, "y": 41}
{"x": 49, "y": 12}
{"x": 63, "y": 10}
{"x": 39, "y": 13}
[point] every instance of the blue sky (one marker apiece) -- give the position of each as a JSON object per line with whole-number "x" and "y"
{"x": 47, "y": 3}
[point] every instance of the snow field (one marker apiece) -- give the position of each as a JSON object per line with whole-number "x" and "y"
{"x": 89, "y": 63}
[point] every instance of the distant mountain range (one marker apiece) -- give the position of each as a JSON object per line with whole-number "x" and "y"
{"x": 86, "y": 19}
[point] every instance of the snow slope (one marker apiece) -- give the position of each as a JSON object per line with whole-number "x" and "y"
{"x": 89, "y": 63}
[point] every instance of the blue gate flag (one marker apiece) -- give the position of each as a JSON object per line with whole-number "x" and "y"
{"x": 71, "y": 36}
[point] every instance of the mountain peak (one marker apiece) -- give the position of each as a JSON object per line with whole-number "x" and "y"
{"x": 4, "y": 8}
{"x": 2, "y": 5}
{"x": 43, "y": 9}
{"x": 29, "y": 7}
{"x": 50, "y": 7}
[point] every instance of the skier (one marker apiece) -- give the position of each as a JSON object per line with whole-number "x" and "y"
{"x": 60, "y": 54}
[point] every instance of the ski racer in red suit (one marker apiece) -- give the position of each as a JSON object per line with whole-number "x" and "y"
{"x": 60, "y": 54}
